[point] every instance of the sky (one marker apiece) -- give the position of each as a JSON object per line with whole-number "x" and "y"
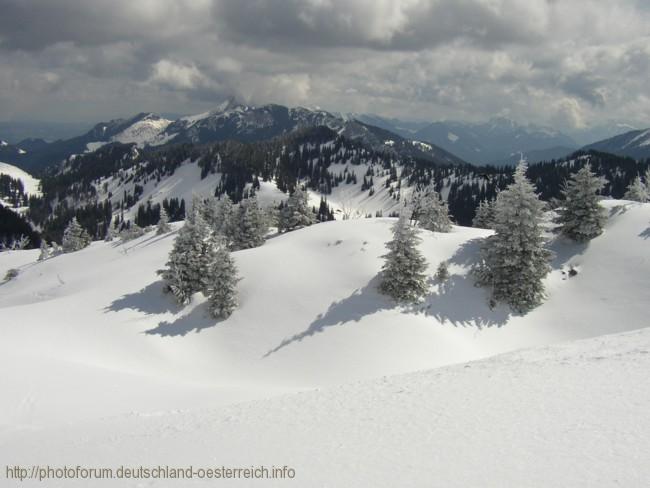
{"x": 570, "y": 64}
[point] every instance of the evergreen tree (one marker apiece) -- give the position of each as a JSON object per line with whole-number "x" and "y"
{"x": 637, "y": 191}
{"x": 220, "y": 216}
{"x": 75, "y": 237}
{"x": 45, "y": 251}
{"x": 403, "y": 273}
{"x": 163, "y": 222}
{"x": 484, "y": 218}
{"x": 582, "y": 218}
{"x": 514, "y": 261}
{"x": 109, "y": 234}
{"x": 189, "y": 259}
{"x": 296, "y": 212}
{"x": 221, "y": 289}
{"x": 250, "y": 225}
{"x": 431, "y": 211}
{"x": 442, "y": 273}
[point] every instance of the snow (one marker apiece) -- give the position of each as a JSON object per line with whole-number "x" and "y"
{"x": 642, "y": 139}
{"x": 93, "y": 146}
{"x": 113, "y": 372}
{"x": 423, "y": 145}
{"x": 567, "y": 415}
{"x": 452, "y": 137}
{"x": 30, "y": 183}
{"x": 148, "y": 131}
{"x": 4, "y": 143}
{"x": 21, "y": 151}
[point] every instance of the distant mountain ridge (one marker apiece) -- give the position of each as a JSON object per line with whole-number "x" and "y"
{"x": 491, "y": 142}
{"x": 229, "y": 121}
{"x": 635, "y": 144}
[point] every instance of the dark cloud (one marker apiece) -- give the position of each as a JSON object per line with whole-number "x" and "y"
{"x": 545, "y": 61}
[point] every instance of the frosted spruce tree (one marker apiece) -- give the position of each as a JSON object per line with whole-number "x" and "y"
{"x": 484, "y": 218}
{"x": 221, "y": 288}
{"x": 163, "y": 222}
{"x": 430, "y": 210}
{"x": 189, "y": 259}
{"x": 296, "y": 212}
{"x": 250, "y": 224}
{"x": 75, "y": 237}
{"x": 637, "y": 191}
{"x": 582, "y": 218}
{"x": 220, "y": 216}
{"x": 514, "y": 260}
{"x": 404, "y": 271}
{"x": 45, "y": 251}
{"x": 108, "y": 236}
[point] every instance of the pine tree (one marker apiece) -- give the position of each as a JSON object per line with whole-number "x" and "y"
{"x": 430, "y": 210}
{"x": 221, "y": 289}
{"x": 250, "y": 225}
{"x": 514, "y": 261}
{"x": 637, "y": 191}
{"x": 296, "y": 212}
{"x": 582, "y": 218}
{"x": 484, "y": 218}
{"x": 189, "y": 258}
{"x": 75, "y": 237}
{"x": 45, "y": 251}
{"x": 220, "y": 216}
{"x": 403, "y": 273}
{"x": 163, "y": 222}
{"x": 108, "y": 237}
{"x": 442, "y": 273}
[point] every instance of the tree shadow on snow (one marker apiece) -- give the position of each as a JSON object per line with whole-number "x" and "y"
{"x": 456, "y": 301}
{"x": 150, "y": 300}
{"x": 195, "y": 321}
{"x": 363, "y": 301}
{"x": 645, "y": 234}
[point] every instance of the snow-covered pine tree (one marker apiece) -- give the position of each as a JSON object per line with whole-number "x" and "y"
{"x": 442, "y": 273}
{"x": 296, "y": 212}
{"x": 108, "y": 237}
{"x": 430, "y": 211}
{"x": 45, "y": 251}
{"x": 581, "y": 216}
{"x": 637, "y": 191}
{"x": 484, "y": 218}
{"x": 514, "y": 260}
{"x": 75, "y": 237}
{"x": 250, "y": 225}
{"x": 189, "y": 259}
{"x": 163, "y": 222}
{"x": 220, "y": 216}
{"x": 404, "y": 271}
{"x": 221, "y": 289}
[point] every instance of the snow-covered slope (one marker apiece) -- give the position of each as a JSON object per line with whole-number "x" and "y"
{"x": 570, "y": 415}
{"x": 310, "y": 316}
{"x": 146, "y": 130}
{"x": 31, "y": 184}
{"x": 95, "y": 348}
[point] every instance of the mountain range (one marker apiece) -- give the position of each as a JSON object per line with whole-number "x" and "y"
{"x": 499, "y": 141}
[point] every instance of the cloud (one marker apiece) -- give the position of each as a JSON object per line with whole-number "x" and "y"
{"x": 547, "y": 61}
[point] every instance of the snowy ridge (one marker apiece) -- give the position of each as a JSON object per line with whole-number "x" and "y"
{"x": 31, "y": 184}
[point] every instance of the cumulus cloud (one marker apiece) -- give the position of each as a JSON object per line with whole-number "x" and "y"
{"x": 570, "y": 64}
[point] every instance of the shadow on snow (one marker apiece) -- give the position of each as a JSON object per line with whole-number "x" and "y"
{"x": 456, "y": 301}
{"x": 152, "y": 301}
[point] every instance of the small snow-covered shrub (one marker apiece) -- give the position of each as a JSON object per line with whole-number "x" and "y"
{"x": 11, "y": 274}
